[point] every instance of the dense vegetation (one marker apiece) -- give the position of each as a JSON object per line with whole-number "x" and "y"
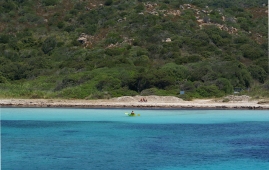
{"x": 106, "y": 48}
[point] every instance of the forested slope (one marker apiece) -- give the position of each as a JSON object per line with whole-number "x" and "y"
{"x": 106, "y": 48}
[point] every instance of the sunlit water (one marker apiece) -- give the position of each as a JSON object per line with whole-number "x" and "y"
{"x": 53, "y": 138}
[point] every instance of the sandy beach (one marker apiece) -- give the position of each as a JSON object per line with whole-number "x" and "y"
{"x": 166, "y": 102}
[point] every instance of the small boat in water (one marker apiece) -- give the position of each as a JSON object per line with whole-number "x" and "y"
{"x": 132, "y": 115}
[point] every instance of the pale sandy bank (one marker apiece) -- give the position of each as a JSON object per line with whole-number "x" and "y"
{"x": 234, "y": 102}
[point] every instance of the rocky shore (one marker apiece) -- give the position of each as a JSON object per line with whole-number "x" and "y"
{"x": 165, "y": 102}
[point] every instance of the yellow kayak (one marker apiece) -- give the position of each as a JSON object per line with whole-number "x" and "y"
{"x": 129, "y": 114}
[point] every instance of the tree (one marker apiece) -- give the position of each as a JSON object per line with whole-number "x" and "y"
{"x": 224, "y": 85}
{"x": 142, "y": 60}
{"x": 187, "y": 86}
{"x": 257, "y": 73}
{"x": 201, "y": 72}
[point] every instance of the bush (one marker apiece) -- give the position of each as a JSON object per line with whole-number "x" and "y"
{"x": 8, "y": 6}
{"x": 3, "y": 79}
{"x": 139, "y": 8}
{"x": 114, "y": 51}
{"x": 225, "y": 100}
{"x": 148, "y": 92}
{"x": 251, "y": 52}
{"x": 200, "y": 71}
{"x": 122, "y": 92}
{"x": 50, "y": 2}
{"x": 187, "y": 86}
{"x": 113, "y": 38}
{"x": 49, "y": 44}
{"x": 224, "y": 85}
{"x": 108, "y": 83}
{"x": 257, "y": 73}
{"x": 178, "y": 72}
{"x": 90, "y": 29}
{"x": 210, "y": 91}
{"x": 266, "y": 85}
{"x": 194, "y": 58}
{"x": 4, "y": 38}
{"x": 142, "y": 60}
{"x": 60, "y": 24}
{"x": 263, "y": 63}
{"x": 108, "y": 2}
{"x": 69, "y": 28}
{"x": 185, "y": 97}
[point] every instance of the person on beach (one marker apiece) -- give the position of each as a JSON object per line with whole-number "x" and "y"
{"x": 132, "y": 113}
{"x": 143, "y": 100}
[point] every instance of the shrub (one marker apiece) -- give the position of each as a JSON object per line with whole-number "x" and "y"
{"x": 148, "y": 92}
{"x": 178, "y": 72}
{"x": 263, "y": 63}
{"x": 90, "y": 29}
{"x": 79, "y": 6}
{"x": 122, "y": 92}
{"x": 108, "y": 2}
{"x": 266, "y": 85}
{"x": 193, "y": 58}
{"x": 187, "y": 86}
{"x": 8, "y": 6}
{"x": 108, "y": 83}
{"x": 198, "y": 71}
{"x": 224, "y": 85}
{"x": 50, "y": 2}
{"x": 225, "y": 100}
{"x": 3, "y": 79}
{"x": 185, "y": 97}
{"x": 49, "y": 44}
{"x": 210, "y": 91}
{"x": 113, "y": 38}
{"x": 142, "y": 60}
{"x": 251, "y": 52}
{"x": 66, "y": 82}
{"x": 139, "y": 8}
{"x": 114, "y": 51}
{"x": 60, "y": 24}
{"x": 69, "y": 28}
{"x": 257, "y": 73}
{"x": 4, "y": 38}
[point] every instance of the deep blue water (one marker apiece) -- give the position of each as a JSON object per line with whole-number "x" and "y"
{"x": 39, "y": 138}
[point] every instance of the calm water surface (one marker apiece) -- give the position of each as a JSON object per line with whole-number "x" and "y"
{"x": 54, "y": 138}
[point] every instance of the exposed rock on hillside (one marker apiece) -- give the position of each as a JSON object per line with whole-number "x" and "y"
{"x": 83, "y": 38}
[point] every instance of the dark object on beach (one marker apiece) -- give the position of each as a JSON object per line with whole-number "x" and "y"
{"x": 143, "y": 100}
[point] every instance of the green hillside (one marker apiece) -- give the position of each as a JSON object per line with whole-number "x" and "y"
{"x": 91, "y": 49}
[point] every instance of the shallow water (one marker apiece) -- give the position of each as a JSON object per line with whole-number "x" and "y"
{"x": 56, "y": 138}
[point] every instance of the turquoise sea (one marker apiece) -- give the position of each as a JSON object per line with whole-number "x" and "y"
{"x": 67, "y": 138}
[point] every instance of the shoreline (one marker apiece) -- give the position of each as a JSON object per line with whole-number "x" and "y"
{"x": 156, "y": 102}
